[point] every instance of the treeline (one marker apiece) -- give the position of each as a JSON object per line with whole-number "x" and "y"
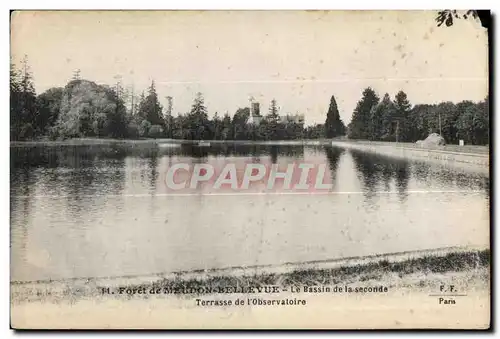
{"x": 196, "y": 125}
{"x": 86, "y": 109}
{"x": 398, "y": 120}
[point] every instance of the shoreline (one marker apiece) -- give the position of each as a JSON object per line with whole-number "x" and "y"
{"x": 384, "y": 294}
{"x": 473, "y": 159}
{"x": 450, "y": 262}
{"x": 159, "y": 141}
{"x": 470, "y": 159}
{"x": 479, "y": 150}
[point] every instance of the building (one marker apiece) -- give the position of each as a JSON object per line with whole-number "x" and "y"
{"x": 255, "y": 117}
{"x": 292, "y": 118}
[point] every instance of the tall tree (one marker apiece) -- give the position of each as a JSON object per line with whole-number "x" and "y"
{"x": 481, "y": 123}
{"x": 402, "y": 108}
{"x": 445, "y": 118}
{"x": 239, "y": 123}
{"x": 420, "y": 115}
{"x": 216, "y": 127}
{"x": 272, "y": 127}
{"x": 198, "y": 108}
{"x": 359, "y": 127}
{"x": 140, "y": 108}
{"x": 334, "y": 126}
{"x": 150, "y": 108}
{"x": 49, "y": 105}
{"x": 381, "y": 119}
{"x": 117, "y": 119}
{"x": 273, "y": 115}
{"x": 465, "y": 120}
{"x": 199, "y": 124}
{"x": 15, "y": 90}
{"x": 226, "y": 127}
{"x": 27, "y": 109}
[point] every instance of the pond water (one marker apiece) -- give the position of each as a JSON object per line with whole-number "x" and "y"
{"x": 104, "y": 211}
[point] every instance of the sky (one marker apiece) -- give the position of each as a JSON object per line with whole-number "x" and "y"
{"x": 300, "y": 58}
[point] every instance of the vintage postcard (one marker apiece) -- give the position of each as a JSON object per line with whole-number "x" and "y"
{"x": 250, "y": 170}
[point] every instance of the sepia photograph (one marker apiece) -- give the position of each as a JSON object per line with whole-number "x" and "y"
{"x": 250, "y": 169}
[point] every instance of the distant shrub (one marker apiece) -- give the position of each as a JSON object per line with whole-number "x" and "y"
{"x": 26, "y": 132}
{"x": 156, "y": 131}
{"x": 144, "y": 128}
{"x": 132, "y": 130}
{"x": 53, "y": 133}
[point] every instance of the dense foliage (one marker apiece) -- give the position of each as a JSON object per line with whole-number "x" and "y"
{"x": 334, "y": 126}
{"x": 86, "y": 109}
{"x": 397, "y": 120}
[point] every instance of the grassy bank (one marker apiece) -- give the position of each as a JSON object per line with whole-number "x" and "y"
{"x": 469, "y": 268}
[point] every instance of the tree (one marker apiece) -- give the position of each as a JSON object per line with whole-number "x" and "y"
{"x": 381, "y": 118}
{"x": 402, "y": 109}
{"x": 24, "y": 99}
{"x": 466, "y": 110}
{"x": 445, "y": 118}
{"x": 140, "y": 109}
{"x": 465, "y": 124}
{"x": 334, "y": 126}
{"x": 226, "y": 127}
{"x": 49, "y": 105}
{"x": 144, "y": 128}
{"x": 180, "y": 127}
{"x": 198, "y": 108}
{"x": 239, "y": 123}
{"x": 271, "y": 128}
{"x": 155, "y": 131}
{"x": 216, "y": 127}
{"x": 150, "y": 108}
{"x": 273, "y": 115}
{"x": 15, "y": 91}
{"x": 198, "y": 122}
{"x": 420, "y": 118}
{"x": 481, "y": 123}
{"x": 447, "y": 16}
{"x": 88, "y": 109}
{"x": 314, "y": 132}
{"x": 117, "y": 119}
{"x": 359, "y": 127}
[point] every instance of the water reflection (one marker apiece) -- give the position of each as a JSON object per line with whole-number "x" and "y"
{"x": 228, "y": 150}
{"x": 377, "y": 172}
{"x": 97, "y": 211}
{"x": 333, "y": 155}
{"x": 432, "y": 174}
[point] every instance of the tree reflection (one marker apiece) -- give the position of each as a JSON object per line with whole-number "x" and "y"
{"x": 228, "y": 150}
{"x": 377, "y": 172}
{"x": 274, "y": 154}
{"x": 91, "y": 174}
{"x": 78, "y": 174}
{"x": 402, "y": 178}
{"x": 445, "y": 176}
{"x": 333, "y": 155}
{"x": 153, "y": 171}
{"x": 22, "y": 180}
